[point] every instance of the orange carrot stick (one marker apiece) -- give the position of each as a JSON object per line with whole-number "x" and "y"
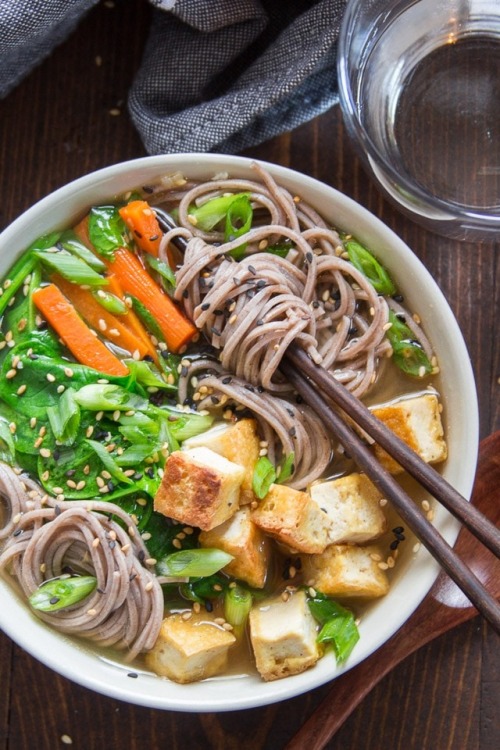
{"x": 134, "y": 280}
{"x": 76, "y": 335}
{"x": 82, "y": 232}
{"x": 108, "y": 325}
{"x": 130, "y": 320}
{"x": 141, "y": 220}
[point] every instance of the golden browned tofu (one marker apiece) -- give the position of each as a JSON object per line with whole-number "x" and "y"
{"x": 346, "y": 570}
{"x": 417, "y": 421}
{"x": 240, "y": 537}
{"x": 189, "y": 650}
{"x": 283, "y": 636}
{"x": 293, "y": 518}
{"x": 353, "y": 505}
{"x": 237, "y": 442}
{"x": 199, "y": 488}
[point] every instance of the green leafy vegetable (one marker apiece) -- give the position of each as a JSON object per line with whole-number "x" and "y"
{"x": 16, "y": 278}
{"x": 59, "y": 593}
{"x": 193, "y": 563}
{"x": 7, "y": 448}
{"x": 106, "y": 229}
{"x": 370, "y": 267}
{"x": 338, "y": 626}
{"x": 108, "y": 397}
{"x": 408, "y": 354}
{"x": 163, "y": 270}
{"x": 64, "y": 418}
{"x": 109, "y": 462}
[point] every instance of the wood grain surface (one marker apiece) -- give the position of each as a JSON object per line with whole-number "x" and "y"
{"x": 57, "y": 125}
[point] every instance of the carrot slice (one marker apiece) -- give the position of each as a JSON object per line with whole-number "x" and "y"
{"x": 134, "y": 280}
{"x": 131, "y": 320}
{"x": 108, "y": 325}
{"x": 141, "y": 220}
{"x": 82, "y": 232}
{"x": 75, "y": 333}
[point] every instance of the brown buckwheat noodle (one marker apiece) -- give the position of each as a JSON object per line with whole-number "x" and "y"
{"x": 46, "y": 539}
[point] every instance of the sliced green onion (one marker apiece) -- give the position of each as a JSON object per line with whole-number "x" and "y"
{"x": 209, "y": 214}
{"x": 108, "y": 397}
{"x": 237, "y": 606}
{"x": 338, "y": 625}
{"x": 193, "y": 563}
{"x": 110, "y": 302}
{"x": 16, "y": 277}
{"x": 64, "y": 418}
{"x": 184, "y": 426}
{"x": 281, "y": 250}
{"x": 135, "y": 455}
{"x": 238, "y": 222}
{"x": 370, "y": 267}
{"x": 287, "y": 468}
{"x": 70, "y": 242}
{"x": 264, "y": 475}
{"x": 408, "y": 353}
{"x": 59, "y": 593}
{"x": 70, "y": 267}
{"x": 147, "y": 374}
{"x": 106, "y": 229}
{"x": 147, "y": 318}
{"x": 109, "y": 462}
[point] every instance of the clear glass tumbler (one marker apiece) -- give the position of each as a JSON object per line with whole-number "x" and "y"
{"x": 419, "y": 88}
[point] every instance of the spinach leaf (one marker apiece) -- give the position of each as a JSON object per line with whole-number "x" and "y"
{"x": 106, "y": 229}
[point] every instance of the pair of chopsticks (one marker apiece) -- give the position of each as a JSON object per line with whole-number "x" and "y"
{"x": 318, "y": 389}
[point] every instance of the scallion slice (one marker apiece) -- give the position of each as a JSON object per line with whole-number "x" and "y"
{"x": 64, "y": 418}
{"x": 193, "y": 563}
{"x": 370, "y": 267}
{"x": 264, "y": 475}
{"x": 338, "y": 626}
{"x": 59, "y": 593}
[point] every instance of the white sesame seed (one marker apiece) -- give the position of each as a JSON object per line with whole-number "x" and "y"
{"x": 45, "y": 452}
{"x": 50, "y": 377}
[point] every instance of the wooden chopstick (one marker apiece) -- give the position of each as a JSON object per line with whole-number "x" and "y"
{"x": 407, "y": 509}
{"x": 424, "y": 473}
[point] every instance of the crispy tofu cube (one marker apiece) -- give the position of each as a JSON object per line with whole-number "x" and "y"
{"x": 237, "y": 442}
{"x": 417, "y": 421}
{"x": 346, "y": 570}
{"x": 283, "y": 636}
{"x": 240, "y": 537}
{"x": 189, "y": 650}
{"x": 293, "y": 518}
{"x": 199, "y": 488}
{"x": 352, "y": 504}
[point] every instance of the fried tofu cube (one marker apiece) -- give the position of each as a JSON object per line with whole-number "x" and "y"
{"x": 293, "y": 518}
{"x": 347, "y": 570}
{"x": 240, "y": 537}
{"x": 189, "y": 650}
{"x": 199, "y": 488}
{"x": 353, "y": 505}
{"x": 417, "y": 421}
{"x": 283, "y": 636}
{"x": 237, "y": 442}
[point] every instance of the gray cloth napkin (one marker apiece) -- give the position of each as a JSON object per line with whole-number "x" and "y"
{"x": 217, "y": 75}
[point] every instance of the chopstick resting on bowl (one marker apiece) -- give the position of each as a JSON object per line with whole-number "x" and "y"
{"x": 319, "y": 389}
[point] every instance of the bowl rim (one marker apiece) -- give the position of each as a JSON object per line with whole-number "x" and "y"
{"x": 101, "y": 673}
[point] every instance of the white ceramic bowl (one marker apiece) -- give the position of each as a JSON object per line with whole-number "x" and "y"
{"x": 415, "y": 572}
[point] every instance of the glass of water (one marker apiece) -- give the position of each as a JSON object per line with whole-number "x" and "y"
{"x": 419, "y": 85}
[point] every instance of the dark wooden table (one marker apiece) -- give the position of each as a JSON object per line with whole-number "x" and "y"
{"x": 57, "y": 125}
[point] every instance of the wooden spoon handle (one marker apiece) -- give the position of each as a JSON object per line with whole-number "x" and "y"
{"x": 432, "y": 618}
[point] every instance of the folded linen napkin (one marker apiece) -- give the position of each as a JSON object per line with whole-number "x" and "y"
{"x": 217, "y": 75}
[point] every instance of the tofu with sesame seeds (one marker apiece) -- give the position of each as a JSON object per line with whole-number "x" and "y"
{"x": 188, "y": 650}
{"x": 199, "y": 488}
{"x": 237, "y": 442}
{"x": 417, "y": 421}
{"x": 283, "y": 635}
{"x": 240, "y": 537}
{"x": 352, "y": 503}
{"x": 293, "y": 518}
{"x": 347, "y": 570}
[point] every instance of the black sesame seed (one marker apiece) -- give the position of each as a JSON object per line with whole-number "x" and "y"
{"x": 215, "y": 400}
{"x": 259, "y": 322}
{"x": 110, "y": 485}
{"x": 184, "y": 371}
{"x": 398, "y": 530}
{"x": 150, "y": 472}
{"x": 309, "y": 257}
{"x": 148, "y": 189}
{"x": 215, "y": 331}
{"x": 154, "y": 238}
{"x": 250, "y": 388}
{"x": 398, "y": 298}
{"x": 137, "y": 476}
{"x": 227, "y": 380}
{"x": 316, "y": 304}
{"x": 260, "y": 284}
{"x": 17, "y": 532}
{"x": 148, "y": 358}
{"x": 165, "y": 354}
{"x": 57, "y": 510}
{"x": 71, "y": 472}
{"x": 299, "y": 399}
{"x": 252, "y": 270}
{"x": 290, "y": 412}
{"x": 54, "y": 599}
{"x": 205, "y": 306}
{"x": 141, "y": 555}
{"x": 209, "y": 606}
{"x": 185, "y": 293}
{"x": 138, "y": 234}
{"x": 112, "y": 544}
{"x": 134, "y": 675}
{"x": 292, "y": 431}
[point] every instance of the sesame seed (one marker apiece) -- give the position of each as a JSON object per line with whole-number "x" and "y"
{"x": 61, "y": 388}
{"x": 66, "y": 739}
{"x": 227, "y": 626}
{"x": 383, "y": 565}
{"x": 80, "y": 485}
{"x": 312, "y": 592}
{"x": 89, "y": 431}
{"x": 196, "y": 607}
{"x": 96, "y": 542}
{"x": 92, "y": 612}
{"x": 21, "y": 390}
{"x": 45, "y": 452}
{"x": 187, "y": 615}
{"x": 177, "y": 544}
{"x": 12, "y": 428}
{"x": 115, "y": 111}
{"x": 426, "y": 505}
{"x": 11, "y": 374}
{"x": 50, "y": 377}
{"x": 285, "y": 596}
